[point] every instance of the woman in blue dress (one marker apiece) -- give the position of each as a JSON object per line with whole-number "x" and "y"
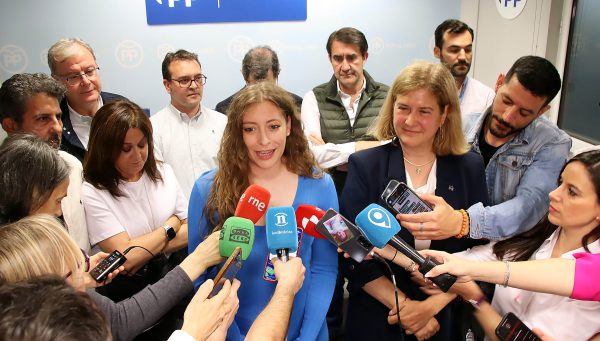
{"x": 264, "y": 144}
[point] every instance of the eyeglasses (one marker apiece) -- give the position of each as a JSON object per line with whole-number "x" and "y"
{"x": 77, "y": 79}
{"x": 87, "y": 264}
{"x": 187, "y": 82}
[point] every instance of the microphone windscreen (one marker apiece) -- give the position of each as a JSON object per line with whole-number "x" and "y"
{"x": 377, "y": 224}
{"x": 281, "y": 229}
{"x": 253, "y": 203}
{"x": 236, "y": 232}
{"x": 307, "y": 217}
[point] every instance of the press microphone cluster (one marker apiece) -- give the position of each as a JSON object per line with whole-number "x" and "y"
{"x": 380, "y": 227}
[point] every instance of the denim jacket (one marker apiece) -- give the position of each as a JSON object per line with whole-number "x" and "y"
{"x": 519, "y": 177}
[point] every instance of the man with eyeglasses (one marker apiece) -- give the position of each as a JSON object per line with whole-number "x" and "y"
{"x": 72, "y": 61}
{"x": 187, "y": 135}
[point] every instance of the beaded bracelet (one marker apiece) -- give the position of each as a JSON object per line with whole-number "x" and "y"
{"x": 465, "y": 224}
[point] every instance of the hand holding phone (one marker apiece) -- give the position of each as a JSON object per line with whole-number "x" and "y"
{"x": 344, "y": 234}
{"x": 401, "y": 199}
{"x": 511, "y": 328}
{"x": 231, "y": 267}
{"x": 109, "y": 264}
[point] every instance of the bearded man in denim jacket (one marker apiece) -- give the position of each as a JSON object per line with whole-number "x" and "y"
{"x": 523, "y": 153}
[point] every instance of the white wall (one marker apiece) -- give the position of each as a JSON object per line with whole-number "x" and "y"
{"x": 398, "y": 31}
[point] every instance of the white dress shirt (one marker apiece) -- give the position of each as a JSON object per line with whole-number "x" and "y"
{"x": 72, "y": 208}
{"x": 189, "y": 145}
{"x": 330, "y": 154}
{"x": 82, "y": 124}
{"x": 477, "y": 97}
{"x": 560, "y": 317}
{"x": 428, "y": 188}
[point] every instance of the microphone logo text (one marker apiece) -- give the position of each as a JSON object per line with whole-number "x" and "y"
{"x": 239, "y": 235}
{"x": 281, "y": 219}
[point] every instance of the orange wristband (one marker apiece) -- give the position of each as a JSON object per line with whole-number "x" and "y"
{"x": 465, "y": 224}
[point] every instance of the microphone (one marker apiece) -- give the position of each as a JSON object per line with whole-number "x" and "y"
{"x": 236, "y": 232}
{"x": 380, "y": 227}
{"x": 307, "y": 217}
{"x": 253, "y": 203}
{"x": 282, "y": 237}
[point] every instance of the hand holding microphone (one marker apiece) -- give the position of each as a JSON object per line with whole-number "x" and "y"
{"x": 282, "y": 237}
{"x": 380, "y": 227}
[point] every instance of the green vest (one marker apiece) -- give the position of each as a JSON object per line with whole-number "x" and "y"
{"x": 335, "y": 124}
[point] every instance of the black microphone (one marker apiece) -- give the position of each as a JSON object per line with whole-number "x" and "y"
{"x": 380, "y": 227}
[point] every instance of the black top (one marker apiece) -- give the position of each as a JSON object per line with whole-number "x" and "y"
{"x": 487, "y": 150}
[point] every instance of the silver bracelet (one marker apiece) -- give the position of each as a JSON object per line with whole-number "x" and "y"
{"x": 506, "y": 274}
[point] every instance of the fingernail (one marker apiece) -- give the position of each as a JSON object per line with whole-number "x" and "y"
{"x": 428, "y": 274}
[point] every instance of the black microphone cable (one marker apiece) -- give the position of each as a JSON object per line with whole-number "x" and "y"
{"x": 379, "y": 258}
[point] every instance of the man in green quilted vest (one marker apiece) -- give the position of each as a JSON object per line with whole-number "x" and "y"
{"x": 336, "y": 114}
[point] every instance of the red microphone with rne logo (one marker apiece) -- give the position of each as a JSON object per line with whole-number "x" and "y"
{"x": 253, "y": 203}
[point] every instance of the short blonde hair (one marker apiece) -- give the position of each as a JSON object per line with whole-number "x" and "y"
{"x": 35, "y": 246}
{"x": 436, "y": 78}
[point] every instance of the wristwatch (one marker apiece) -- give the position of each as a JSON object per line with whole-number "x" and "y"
{"x": 170, "y": 231}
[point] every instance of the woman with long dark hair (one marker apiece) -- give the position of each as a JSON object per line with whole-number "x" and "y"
{"x": 571, "y": 226}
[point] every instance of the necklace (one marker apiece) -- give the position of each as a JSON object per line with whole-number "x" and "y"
{"x": 419, "y": 168}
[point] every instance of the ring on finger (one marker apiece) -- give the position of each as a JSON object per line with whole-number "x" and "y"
{"x": 421, "y": 227}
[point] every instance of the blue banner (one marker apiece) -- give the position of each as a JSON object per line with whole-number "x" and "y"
{"x": 161, "y": 12}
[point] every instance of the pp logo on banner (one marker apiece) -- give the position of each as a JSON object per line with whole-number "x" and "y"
{"x": 129, "y": 54}
{"x": 510, "y": 9}
{"x": 238, "y": 46}
{"x": 13, "y": 59}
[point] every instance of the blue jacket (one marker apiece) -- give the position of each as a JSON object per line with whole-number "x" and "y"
{"x": 519, "y": 177}
{"x": 460, "y": 181}
{"x": 70, "y": 143}
{"x": 319, "y": 257}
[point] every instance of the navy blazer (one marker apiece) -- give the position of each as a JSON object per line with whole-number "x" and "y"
{"x": 460, "y": 181}
{"x": 70, "y": 143}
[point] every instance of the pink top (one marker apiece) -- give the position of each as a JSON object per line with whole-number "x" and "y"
{"x": 587, "y": 276}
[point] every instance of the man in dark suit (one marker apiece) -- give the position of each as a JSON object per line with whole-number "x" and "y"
{"x": 72, "y": 61}
{"x": 260, "y": 64}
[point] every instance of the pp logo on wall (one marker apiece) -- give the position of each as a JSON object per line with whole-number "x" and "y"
{"x": 510, "y": 9}
{"x": 129, "y": 54}
{"x": 13, "y": 59}
{"x": 161, "y": 12}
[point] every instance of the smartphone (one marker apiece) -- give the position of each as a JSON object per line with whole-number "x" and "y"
{"x": 401, "y": 199}
{"x": 232, "y": 265}
{"x": 513, "y": 329}
{"x": 345, "y": 235}
{"x": 109, "y": 264}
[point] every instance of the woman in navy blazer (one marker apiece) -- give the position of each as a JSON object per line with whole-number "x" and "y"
{"x": 421, "y": 115}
